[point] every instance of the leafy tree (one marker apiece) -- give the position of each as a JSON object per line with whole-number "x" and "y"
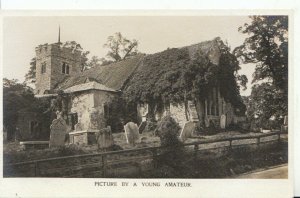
{"x": 120, "y": 47}
{"x": 17, "y": 96}
{"x": 267, "y": 47}
{"x": 31, "y": 74}
{"x": 265, "y": 104}
{"x": 93, "y": 62}
{"x": 105, "y": 61}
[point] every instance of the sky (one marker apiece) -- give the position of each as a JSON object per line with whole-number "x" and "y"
{"x": 21, "y": 34}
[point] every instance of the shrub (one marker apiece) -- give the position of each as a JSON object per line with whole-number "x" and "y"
{"x": 168, "y": 131}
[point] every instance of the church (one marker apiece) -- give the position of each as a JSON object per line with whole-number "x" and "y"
{"x": 87, "y": 95}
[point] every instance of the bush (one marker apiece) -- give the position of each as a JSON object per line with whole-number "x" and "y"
{"x": 168, "y": 131}
{"x": 172, "y": 155}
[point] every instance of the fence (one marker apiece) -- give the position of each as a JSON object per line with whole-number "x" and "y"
{"x": 70, "y": 166}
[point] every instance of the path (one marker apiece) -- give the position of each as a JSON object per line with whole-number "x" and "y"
{"x": 278, "y": 172}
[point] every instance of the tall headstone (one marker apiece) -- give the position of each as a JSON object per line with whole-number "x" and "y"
{"x": 105, "y": 138}
{"x": 58, "y": 130}
{"x": 223, "y": 121}
{"x": 131, "y": 133}
{"x": 193, "y": 111}
{"x": 187, "y": 130}
{"x": 285, "y": 121}
{"x": 206, "y": 121}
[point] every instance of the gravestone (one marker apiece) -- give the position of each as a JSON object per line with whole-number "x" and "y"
{"x": 187, "y": 130}
{"x": 142, "y": 126}
{"x": 105, "y": 138}
{"x": 285, "y": 121}
{"x": 206, "y": 122}
{"x": 193, "y": 111}
{"x": 223, "y": 121}
{"x": 131, "y": 133}
{"x": 58, "y": 130}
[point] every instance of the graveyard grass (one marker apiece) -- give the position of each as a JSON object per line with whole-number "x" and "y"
{"x": 13, "y": 152}
{"x": 214, "y": 166}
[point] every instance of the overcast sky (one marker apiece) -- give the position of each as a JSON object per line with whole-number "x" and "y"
{"x": 155, "y": 34}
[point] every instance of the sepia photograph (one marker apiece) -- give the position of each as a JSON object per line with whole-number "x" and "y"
{"x": 193, "y": 97}
{"x": 145, "y": 96}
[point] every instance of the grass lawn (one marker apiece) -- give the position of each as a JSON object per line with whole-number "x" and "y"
{"x": 13, "y": 152}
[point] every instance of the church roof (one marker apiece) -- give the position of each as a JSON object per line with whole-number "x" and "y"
{"x": 116, "y": 76}
{"x": 157, "y": 70}
{"x": 88, "y": 86}
{"x": 112, "y": 76}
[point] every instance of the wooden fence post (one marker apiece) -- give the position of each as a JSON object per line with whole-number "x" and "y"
{"x": 230, "y": 145}
{"x": 36, "y": 169}
{"x": 196, "y": 147}
{"x": 104, "y": 165}
{"x": 258, "y": 141}
{"x": 154, "y": 154}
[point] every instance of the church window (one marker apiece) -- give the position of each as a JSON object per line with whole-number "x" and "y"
{"x": 43, "y": 69}
{"x": 65, "y": 69}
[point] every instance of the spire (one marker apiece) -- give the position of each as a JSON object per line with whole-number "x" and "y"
{"x": 59, "y": 34}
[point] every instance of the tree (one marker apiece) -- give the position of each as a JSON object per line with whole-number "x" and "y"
{"x": 267, "y": 47}
{"x": 17, "y": 96}
{"x": 120, "y": 47}
{"x": 265, "y": 104}
{"x": 31, "y": 74}
{"x": 93, "y": 62}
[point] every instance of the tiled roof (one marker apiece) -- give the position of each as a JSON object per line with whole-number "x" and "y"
{"x": 88, "y": 86}
{"x": 112, "y": 76}
{"x": 116, "y": 75}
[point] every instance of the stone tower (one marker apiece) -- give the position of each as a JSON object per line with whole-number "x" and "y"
{"x": 54, "y": 63}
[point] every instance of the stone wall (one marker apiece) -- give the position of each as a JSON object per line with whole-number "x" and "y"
{"x": 178, "y": 112}
{"x": 54, "y": 55}
{"x": 89, "y": 107}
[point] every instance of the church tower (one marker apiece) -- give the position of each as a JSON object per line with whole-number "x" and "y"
{"x": 54, "y": 63}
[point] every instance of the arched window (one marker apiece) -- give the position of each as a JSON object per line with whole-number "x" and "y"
{"x": 65, "y": 69}
{"x": 43, "y": 69}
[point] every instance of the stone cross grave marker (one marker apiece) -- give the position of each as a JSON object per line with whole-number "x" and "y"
{"x": 223, "y": 121}
{"x": 187, "y": 130}
{"x": 58, "y": 130}
{"x": 131, "y": 133}
{"x": 105, "y": 138}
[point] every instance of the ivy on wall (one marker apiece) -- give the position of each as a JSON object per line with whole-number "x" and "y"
{"x": 172, "y": 76}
